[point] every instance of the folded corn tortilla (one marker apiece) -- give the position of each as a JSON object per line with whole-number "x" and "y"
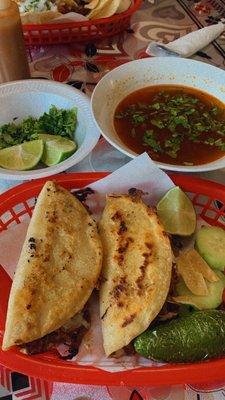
{"x": 137, "y": 264}
{"x": 58, "y": 267}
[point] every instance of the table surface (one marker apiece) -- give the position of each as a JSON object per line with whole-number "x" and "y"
{"x": 82, "y": 66}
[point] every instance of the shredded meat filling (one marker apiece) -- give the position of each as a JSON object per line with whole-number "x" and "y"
{"x": 67, "y": 335}
{"x": 65, "y": 6}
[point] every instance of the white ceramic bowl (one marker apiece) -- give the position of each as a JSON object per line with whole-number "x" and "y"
{"x": 32, "y": 98}
{"x": 135, "y": 75}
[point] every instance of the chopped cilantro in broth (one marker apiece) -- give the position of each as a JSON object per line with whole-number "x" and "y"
{"x": 174, "y": 124}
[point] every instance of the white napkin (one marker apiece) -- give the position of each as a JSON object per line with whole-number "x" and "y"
{"x": 187, "y": 45}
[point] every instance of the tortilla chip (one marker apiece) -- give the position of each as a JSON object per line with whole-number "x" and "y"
{"x": 186, "y": 300}
{"x": 123, "y": 6}
{"x": 194, "y": 270}
{"x": 105, "y": 9}
{"x": 92, "y": 4}
{"x": 58, "y": 267}
{"x": 137, "y": 264}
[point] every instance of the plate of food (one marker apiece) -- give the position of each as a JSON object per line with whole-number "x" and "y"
{"x": 45, "y": 11}
{"x": 63, "y": 21}
{"x": 136, "y": 298}
{"x": 173, "y": 108}
{"x": 45, "y": 128}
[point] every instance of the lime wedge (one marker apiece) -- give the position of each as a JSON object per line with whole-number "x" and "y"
{"x": 22, "y": 156}
{"x": 177, "y": 213}
{"x": 56, "y": 149}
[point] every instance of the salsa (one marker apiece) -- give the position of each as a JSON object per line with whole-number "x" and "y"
{"x": 174, "y": 124}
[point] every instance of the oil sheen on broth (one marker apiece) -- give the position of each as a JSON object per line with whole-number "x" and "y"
{"x": 174, "y": 124}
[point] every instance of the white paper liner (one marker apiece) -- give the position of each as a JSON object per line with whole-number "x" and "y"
{"x": 69, "y": 17}
{"x": 141, "y": 173}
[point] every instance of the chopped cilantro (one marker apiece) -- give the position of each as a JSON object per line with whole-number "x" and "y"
{"x": 179, "y": 115}
{"x": 214, "y": 110}
{"x": 173, "y": 145}
{"x": 155, "y": 106}
{"x": 150, "y": 140}
{"x": 138, "y": 118}
{"x": 59, "y": 122}
{"x": 157, "y": 123}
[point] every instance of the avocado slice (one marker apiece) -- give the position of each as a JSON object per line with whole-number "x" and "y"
{"x": 210, "y": 243}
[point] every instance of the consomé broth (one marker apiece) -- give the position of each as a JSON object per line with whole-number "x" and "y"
{"x": 174, "y": 124}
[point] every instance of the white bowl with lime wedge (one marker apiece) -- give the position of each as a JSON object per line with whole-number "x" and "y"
{"x": 44, "y": 153}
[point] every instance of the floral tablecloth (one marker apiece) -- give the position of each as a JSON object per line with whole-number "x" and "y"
{"x": 82, "y": 66}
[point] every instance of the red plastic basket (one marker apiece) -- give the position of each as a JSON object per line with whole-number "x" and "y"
{"x": 82, "y": 31}
{"x": 209, "y": 200}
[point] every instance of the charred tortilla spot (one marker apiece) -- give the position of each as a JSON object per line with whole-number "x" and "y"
{"x": 123, "y": 247}
{"x": 120, "y": 259}
{"x": 119, "y": 217}
{"x": 122, "y": 228}
{"x": 148, "y": 245}
{"x": 120, "y": 288}
{"x": 82, "y": 194}
{"x": 143, "y": 267}
{"x": 53, "y": 217}
{"x": 31, "y": 243}
{"x": 116, "y": 216}
{"x": 32, "y": 246}
{"x": 28, "y": 306}
{"x": 151, "y": 212}
{"x": 128, "y": 320}
{"x": 120, "y": 304}
{"x": 123, "y": 244}
{"x": 103, "y": 316}
{"x": 146, "y": 255}
{"x": 134, "y": 192}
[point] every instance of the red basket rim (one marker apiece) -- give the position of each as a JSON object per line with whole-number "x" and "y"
{"x": 114, "y": 18}
{"x": 210, "y": 371}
